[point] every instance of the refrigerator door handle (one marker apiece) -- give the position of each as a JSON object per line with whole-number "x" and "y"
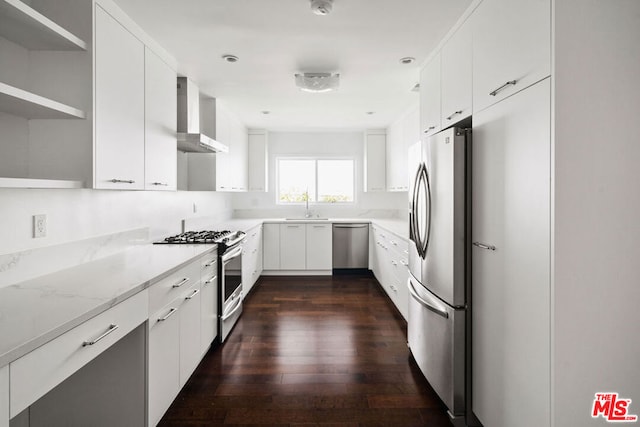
{"x": 424, "y": 240}
{"x": 432, "y": 304}
{"x": 412, "y": 210}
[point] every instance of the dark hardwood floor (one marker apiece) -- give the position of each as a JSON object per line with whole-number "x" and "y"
{"x": 323, "y": 351}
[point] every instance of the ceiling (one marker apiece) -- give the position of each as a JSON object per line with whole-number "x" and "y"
{"x": 362, "y": 40}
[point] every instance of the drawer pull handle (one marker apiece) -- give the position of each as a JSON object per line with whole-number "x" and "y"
{"x": 483, "y": 246}
{"x": 180, "y": 283}
{"x": 169, "y": 314}
{"x": 195, "y": 292}
{"x": 162, "y": 184}
{"x": 509, "y": 83}
{"x": 429, "y": 129}
{"x": 403, "y": 262}
{"x": 213, "y": 279}
{"x": 112, "y": 328}
{"x": 210, "y": 263}
{"x": 394, "y": 263}
{"x": 122, "y": 181}
{"x": 455, "y": 113}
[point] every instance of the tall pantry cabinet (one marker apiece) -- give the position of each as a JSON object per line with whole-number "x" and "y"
{"x": 511, "y": 213}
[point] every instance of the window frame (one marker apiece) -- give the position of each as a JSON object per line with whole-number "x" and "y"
{"x": 315, "y": 159}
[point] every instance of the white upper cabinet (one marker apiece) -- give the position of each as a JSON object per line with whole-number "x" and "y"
{"x": 375, "y": 161}
{"x": 400, "y": 135}
{"x": 232, "y": 167}
{"x": 511, "y": 48}
{"x": 430, "y": 96}
{"x": 258, "y": 158}
{"x": 160, "y": 124}
{"x": 119, "y": 106}
{"x": 456, "y": 57}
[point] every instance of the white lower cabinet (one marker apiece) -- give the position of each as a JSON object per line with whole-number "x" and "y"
{"x": 319, "y": 246}
{"x": 189, "y": 332}
{"x": 4, "y": 396}
{"x": 390, "y": 266}
{"x": 251, "y": 259}
{"x": 208, "y": 301}
{"x": 177, "y": 330}
{"x": 271, "y": 247}
{"x": 292, "y": 247}
{"x": 163, "y": 360}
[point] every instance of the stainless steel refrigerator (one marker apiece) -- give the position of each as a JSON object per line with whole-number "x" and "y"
{"x": 439, "y": 257}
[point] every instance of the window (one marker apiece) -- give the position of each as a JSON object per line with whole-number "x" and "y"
{"x": 319, "y": 180}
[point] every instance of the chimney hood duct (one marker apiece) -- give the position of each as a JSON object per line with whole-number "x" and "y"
{"x": 192, "y": 138}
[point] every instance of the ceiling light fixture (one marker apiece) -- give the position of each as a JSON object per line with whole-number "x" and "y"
{"x": 407, "y": 60}
{"x": 321, "y": 7}
{"x": 317, "y": 82}
{"x": 230, "y": 58}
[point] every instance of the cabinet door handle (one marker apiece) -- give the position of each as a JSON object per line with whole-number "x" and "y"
{"x": 195, "y": 292}
{"x": 429, "y": 129}
{"x": 483, "y": 246}
{"x": 169, "y": 314}
{"x": 180, "y": 283}
{"x": 112, "y": 328}
{"x": 213, "y": 279}
{"x": 455, "y": 113}
{"x": 122, "y": 181}
{"x": 163, "y": 184}
{"x": 509, "y": 83}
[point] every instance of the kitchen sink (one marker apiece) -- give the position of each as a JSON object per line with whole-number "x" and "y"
{"x": 306, "y": 219}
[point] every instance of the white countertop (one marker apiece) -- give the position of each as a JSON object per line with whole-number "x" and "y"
{"x": 36, "y": 311}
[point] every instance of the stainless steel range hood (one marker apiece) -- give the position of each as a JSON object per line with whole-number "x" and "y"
{"x": 196, "y": 128}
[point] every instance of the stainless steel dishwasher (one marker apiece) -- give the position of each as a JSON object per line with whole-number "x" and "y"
{"x": 351, "y": 246}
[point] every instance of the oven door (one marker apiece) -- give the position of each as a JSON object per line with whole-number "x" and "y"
{"x": 230, "y": 289}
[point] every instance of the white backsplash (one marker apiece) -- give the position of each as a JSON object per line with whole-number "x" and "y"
{"x": 36, "y": 262}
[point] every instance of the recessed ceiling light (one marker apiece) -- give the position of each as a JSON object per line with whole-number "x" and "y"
{"x": 370, "y": 112}
{"x": 265, "y": 112}
{"x": 230, "y": 58}
{"x": 407, "y": 60}
{"x": 416, "y": 88}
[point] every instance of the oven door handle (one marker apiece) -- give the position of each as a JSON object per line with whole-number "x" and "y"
{"x": 232, "y": 253}
{"x": 236, "y": 308}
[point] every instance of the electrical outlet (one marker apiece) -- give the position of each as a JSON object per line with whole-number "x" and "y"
{"x": 39, "y": 225}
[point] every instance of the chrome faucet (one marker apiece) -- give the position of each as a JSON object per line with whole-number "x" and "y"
{"x": 307, "y": 213}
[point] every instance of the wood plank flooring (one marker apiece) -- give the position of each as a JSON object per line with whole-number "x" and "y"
{"x": 323, "y": 351}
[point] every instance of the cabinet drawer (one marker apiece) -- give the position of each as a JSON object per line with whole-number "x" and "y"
{"x": 36, "y": 373}
{"x": 167, "y": 289}
{"x": 209, "y": 266}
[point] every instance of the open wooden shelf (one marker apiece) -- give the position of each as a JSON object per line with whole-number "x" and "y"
{"x": 25, "y": 104}
{"x": 29, "y": 28}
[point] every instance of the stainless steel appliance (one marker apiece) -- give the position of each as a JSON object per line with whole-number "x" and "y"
{"x": 439, "y": 284}
{"x": 350, "y": 246}
{"x": 229, "y": 270}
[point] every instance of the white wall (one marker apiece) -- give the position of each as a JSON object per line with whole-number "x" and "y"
{"x": 80, "y": 214}
{"x": 345, "y": 144}
{"x": 596, "y": 278}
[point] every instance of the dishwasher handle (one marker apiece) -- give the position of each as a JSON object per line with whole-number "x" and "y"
{"x": 350, "y": 225}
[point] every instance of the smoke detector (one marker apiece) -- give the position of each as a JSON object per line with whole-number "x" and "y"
{"x": 321, "y": 7}
{"x": 317, "y": 82}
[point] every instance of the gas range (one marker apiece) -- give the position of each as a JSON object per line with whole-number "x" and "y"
{"x": 224, "y": 238}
